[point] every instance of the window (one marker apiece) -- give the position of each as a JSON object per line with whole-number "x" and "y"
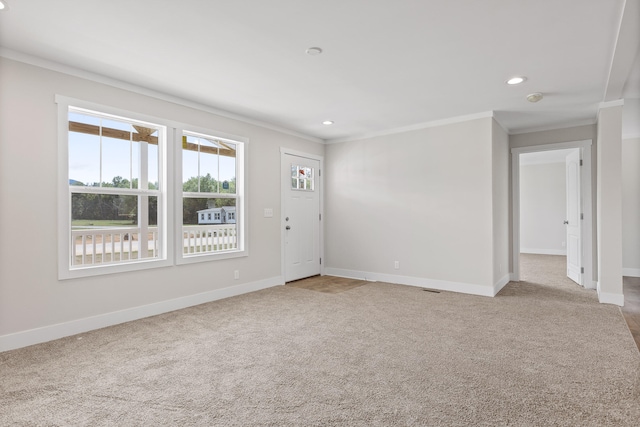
{"x": 114, "y": 190}
{"x": 302, "y": 178}
{"x": 115, "y": 185}
{"x": 211, "y": 179}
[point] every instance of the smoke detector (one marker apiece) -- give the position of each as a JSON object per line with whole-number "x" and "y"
{"x": 534, "y": 97}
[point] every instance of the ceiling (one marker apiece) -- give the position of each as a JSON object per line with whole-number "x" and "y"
{"x": 386, "y": 64}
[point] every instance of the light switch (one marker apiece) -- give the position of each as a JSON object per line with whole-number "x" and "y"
{"x": 268, "y": 212}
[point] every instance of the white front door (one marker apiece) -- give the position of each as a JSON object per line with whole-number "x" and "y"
{"x": 301, "y": 216}
{"x": 573, "y": 221}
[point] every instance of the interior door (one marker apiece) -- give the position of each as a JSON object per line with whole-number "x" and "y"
{"x": 301, "y": 216}
{"x": 573, "y": 221}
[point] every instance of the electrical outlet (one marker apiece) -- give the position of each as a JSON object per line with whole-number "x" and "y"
{"x": 564, "y": 244}
{"x": 396, "y": 265}
{"x": 236, "y": 274}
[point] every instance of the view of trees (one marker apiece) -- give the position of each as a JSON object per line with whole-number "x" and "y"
{"x": 111, "y": 206}
{"x": 124, "y": 207}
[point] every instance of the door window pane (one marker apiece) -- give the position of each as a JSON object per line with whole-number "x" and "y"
{"x": 302, "y": 178}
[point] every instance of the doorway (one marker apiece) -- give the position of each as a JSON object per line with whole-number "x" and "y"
{"x": 563, "y": 213}
{"x": 301, "y": 181}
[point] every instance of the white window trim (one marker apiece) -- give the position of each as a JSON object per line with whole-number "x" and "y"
{"x": 65, "y": 271}
{"x": 242, "y": 178}
{"x": 170, "y": 198}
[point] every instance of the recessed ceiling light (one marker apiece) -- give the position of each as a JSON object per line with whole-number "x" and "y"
{"x": 327, "y": 122}
{"x": 516, "y": 80}
{"x": 534, "y": 97}
{"x": 3, "y": 5}
{"x": 314, "y": 51}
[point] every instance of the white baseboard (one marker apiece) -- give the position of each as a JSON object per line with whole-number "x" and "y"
{"x": 543, "y": 251}
{"x": 497, "y": 287}
{"x": 609, "y": 298}
{"x": 442, "y": 285}
{"x": 61, "y": 330}
{"x": 631, "y": 272}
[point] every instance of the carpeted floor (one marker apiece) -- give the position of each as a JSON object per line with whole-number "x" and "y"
{"x": 541, "y": 353}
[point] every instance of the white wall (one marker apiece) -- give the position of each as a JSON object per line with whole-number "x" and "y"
{"x": 34, "y": 305}
{"x": 631, "y": 206}
{"x": 543, "y": 208}
{"x": 609, "y": 203}
{"x": 501, "y": 211}
{"x": 423, "y": 198}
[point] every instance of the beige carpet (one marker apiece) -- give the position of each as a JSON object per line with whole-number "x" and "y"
{"x": 542, "y": 353}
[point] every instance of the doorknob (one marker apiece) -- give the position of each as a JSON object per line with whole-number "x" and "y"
{"x": 566, "y": 222}
{"x": 288, "y": 227}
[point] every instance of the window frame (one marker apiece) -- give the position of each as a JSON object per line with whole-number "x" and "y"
{"x": 65, "y": 269}
{"x": 241, "y": 195}
{"x": 170, "y": 198}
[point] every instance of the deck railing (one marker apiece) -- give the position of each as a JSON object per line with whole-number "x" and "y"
{"x": 111, "y": 245}
{"x": 201, "y": 239}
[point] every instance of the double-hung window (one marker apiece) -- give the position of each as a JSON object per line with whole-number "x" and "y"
{"x": 212, "y": 183}
{"x": 122, "y": 206}
{"x": 113, "y": 208}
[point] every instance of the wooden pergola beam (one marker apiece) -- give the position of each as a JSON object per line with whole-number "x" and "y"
{"x": 144, "y": 135}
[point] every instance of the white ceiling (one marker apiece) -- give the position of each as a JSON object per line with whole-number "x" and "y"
{"x": 387, "y": 64}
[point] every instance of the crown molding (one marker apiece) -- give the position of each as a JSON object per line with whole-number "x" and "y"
{"x": 577, "y": 123}
{"x": 609, "y": 104}
{"x": 499, "y": 123}
{"x": 418, "y": 126}
{"x": 120, "y": 84}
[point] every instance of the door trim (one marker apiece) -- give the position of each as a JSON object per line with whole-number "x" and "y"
{"x": 573, "y": 209}
{"x": 320, "y": 182}
{"x": 586, "y": 194}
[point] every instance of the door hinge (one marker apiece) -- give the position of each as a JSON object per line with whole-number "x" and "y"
{"x": 321, "y": 261}
{"x": 320, "y": 171}
{"x": 582, "y": 270}
{"x": 320, "y": 217}
{"x": 581, "y": 216}
{"x": 580, "y": 162}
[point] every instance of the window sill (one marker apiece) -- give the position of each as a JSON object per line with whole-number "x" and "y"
{"x": 195, "y": 258}
{"x": 65, "y": 272}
